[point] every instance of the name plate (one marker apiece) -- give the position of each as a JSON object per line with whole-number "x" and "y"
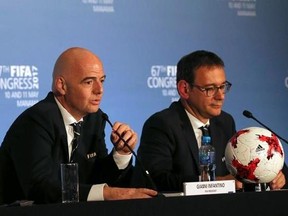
{"x": 209, "y": 187}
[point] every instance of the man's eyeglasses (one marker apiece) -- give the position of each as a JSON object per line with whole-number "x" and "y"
{"x": 212, "y": 90}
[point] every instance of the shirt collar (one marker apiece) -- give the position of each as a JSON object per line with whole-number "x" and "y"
{"x": 67, "y": 117}
{"x": 196, "y": 123}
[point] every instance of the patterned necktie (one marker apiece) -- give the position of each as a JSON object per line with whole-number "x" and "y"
{"x": 75, "y": 141}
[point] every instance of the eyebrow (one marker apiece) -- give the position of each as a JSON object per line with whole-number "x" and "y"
{"x": 213, "y": 84}
{"x": 93, "y": 78}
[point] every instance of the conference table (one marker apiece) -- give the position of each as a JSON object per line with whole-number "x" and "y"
{"x": 270, "y": 203}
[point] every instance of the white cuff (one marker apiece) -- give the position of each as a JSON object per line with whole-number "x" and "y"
{"x": 96, "y": 193}
{"x": 122, "y": 161}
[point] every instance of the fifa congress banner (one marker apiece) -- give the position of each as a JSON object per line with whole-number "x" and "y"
{"x": 140, "y": 43}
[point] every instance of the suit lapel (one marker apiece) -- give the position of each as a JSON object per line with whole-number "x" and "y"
{"x": 217, "y": 141}
{"x": 61, "y": 139}
{"x": 191, "y": 140}
{"x": 188, "y": 133}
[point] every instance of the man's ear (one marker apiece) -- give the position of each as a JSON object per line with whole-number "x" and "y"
{"x": 60, "y": 85}
{"x": 183, "y": 89}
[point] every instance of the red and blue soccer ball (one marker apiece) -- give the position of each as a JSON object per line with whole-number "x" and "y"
{"x": 254, "y": 155}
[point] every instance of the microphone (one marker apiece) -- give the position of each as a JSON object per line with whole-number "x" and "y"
{"x": 248, "y": 114}
{"x": 145, "y": 172}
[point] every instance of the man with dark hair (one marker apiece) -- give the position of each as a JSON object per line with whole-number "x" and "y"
{"x": 171, "y": 138}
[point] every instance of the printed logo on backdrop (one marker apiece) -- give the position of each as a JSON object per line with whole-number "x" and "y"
{"x": 243, "y": 7}
{"x": 100, "y": 6}
{"x": 163, "y": 78}
{"x": 19, "y": 83}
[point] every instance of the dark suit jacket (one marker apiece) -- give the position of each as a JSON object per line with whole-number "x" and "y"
{"x": 169, "y": 149}
{"x": 36, "y": 145}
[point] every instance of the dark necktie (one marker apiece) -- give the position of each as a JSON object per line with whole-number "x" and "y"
{"x": 205, "y": 130}
{"x": 75, "y": 141}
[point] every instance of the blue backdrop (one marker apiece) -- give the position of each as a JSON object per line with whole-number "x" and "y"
{"x": 140, "y": 43}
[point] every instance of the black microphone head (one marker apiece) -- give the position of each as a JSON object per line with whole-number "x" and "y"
{"x": 247, "y": 114}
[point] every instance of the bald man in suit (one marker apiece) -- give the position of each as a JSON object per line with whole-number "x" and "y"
{"x": 40, "y": 139}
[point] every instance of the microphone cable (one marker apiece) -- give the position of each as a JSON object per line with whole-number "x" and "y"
{"x": 146, "y": 173}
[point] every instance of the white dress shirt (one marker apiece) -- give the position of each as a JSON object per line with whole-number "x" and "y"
{"x": 122, "y": 161}
{"x": 196, "y": 124}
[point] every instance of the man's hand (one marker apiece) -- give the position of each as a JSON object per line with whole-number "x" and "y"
{"x": 278, "y": 182}
{"x": 115, "y": 193}
{"x": 123, "y": 130}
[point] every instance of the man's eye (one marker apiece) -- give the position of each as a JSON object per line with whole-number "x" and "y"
{"x": 222, "y": 86}
{"x": 89, "y": 82}
{"x": 210, "y": 88}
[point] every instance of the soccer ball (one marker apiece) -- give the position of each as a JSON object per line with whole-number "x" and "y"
{"x": 254, "y": 155}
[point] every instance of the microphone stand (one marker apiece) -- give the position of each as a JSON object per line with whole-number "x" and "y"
{"x": 248, "y": 114}
{"x": 260, "y": 186}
